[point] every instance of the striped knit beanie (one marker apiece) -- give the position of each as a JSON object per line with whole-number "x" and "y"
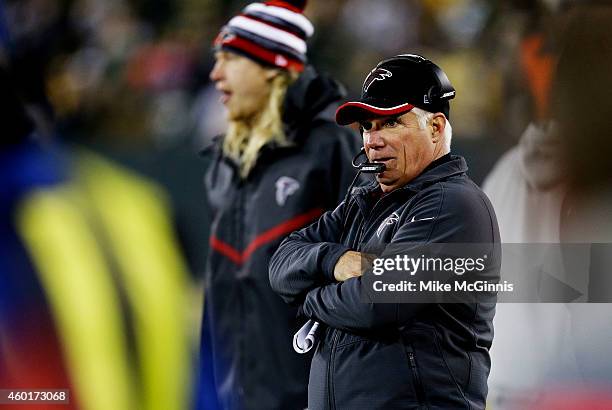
{"x": 273, "y": 33}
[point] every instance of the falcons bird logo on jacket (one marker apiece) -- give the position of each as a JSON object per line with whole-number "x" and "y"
{"x": 285, "y": 186}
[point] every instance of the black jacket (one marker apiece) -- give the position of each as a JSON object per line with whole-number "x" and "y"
{"x": 392, "y": 356}
{"x": 250, "y": 326}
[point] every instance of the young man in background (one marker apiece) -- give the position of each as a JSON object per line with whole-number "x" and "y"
{"x": 282, "y": 162}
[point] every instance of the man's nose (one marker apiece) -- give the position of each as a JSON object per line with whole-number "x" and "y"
{"x": 216, "y": 73}
{"x": 373, "y": 140}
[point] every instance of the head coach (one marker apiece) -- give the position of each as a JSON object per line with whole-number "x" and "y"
{"x": 385, "y": 355}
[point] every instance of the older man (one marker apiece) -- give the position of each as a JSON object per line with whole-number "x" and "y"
{"x": 383, "y": 355}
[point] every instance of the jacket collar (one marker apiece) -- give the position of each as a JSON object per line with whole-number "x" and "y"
{"x": 456, "y": 165}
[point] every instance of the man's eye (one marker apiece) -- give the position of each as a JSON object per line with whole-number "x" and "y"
{"x": 391, "y": 122}
{"x": 365, "y": 125}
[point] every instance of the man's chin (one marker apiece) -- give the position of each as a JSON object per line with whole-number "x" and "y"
{"x": 238, "y": 116}
{"x": 385, "y": 177}
{"x": 386, "y": 184}
{"x": 232, "y": 116}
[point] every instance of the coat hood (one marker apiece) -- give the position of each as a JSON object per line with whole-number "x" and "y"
{"x": 312, "y": 96}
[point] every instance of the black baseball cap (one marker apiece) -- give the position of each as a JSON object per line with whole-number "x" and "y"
{"x": 396, "y": 86}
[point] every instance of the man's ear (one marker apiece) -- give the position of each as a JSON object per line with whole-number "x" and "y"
{"x": 438, "y": 124}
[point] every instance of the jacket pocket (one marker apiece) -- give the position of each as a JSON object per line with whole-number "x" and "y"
{"x": 440, "y": 387}
{"x": 372, "y": 374}
{"x": 416, "y": 377}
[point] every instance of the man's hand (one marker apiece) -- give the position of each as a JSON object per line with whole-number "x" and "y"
{"x": 348, "y": 266}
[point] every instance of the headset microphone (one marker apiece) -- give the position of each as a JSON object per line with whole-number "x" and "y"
{"x": 371, "y": 168}
{"x": 367, "y": 167}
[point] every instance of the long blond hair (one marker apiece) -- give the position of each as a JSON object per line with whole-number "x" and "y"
{"x": 244, "y": 140}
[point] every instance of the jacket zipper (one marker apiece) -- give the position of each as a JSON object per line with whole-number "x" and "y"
{"x": 359, "y": 234}
{"x": 417, "y": 379}
{"x": 241, "y": 299}
{"x": 330, "y": 381}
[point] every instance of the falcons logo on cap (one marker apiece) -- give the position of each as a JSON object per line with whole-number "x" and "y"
{"x": 375, "y": 75}
{"x": 224, "y": 37}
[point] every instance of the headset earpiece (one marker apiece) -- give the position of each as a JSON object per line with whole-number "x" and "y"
{"x": 433, "y": 94}
{"x": 444, "y": 91}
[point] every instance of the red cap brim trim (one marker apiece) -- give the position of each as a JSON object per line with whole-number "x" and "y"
{"x": 361, "y": 107}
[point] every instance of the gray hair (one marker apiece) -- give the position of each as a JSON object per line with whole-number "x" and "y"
{"x": 424, "y": 117}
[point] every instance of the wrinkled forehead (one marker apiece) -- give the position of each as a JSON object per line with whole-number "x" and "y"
{"x": 404, "y": 117}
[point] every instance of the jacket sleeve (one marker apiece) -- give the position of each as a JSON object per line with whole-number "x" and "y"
{"x": 306, "y": 258}
{"x": 454, "y": 219}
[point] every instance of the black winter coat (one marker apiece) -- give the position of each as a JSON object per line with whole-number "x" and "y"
{"x": 250, "y": 326}
{"x": 392, "y": 356}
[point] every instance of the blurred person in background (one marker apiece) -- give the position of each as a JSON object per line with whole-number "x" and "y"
{"x": 583, "y": 109}
{"x": 527, "y": 187}
{"x": 584, "y": 81}
{"x": 530, "y": 173}
{"x": 93, "y": 284}
{"x": 282, "y": 162}
{"x": 555, "y": 187}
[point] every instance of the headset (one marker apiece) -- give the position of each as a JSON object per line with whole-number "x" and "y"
{"x": 442, "y": 92}
{"x": 365, "y": 166}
